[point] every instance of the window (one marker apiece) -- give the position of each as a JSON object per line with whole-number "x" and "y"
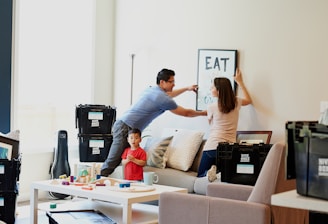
{"x": 53, "y": 68}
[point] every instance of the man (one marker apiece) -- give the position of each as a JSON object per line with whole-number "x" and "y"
{"x": 153, "y": 102}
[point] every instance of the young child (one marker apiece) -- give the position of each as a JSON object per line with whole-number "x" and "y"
{"x": 134, "y": 158}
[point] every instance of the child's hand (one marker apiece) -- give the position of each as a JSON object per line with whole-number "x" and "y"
{"x": 130, "y": 157}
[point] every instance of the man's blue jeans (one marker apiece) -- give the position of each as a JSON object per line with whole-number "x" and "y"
{"x": 120, "y": 133}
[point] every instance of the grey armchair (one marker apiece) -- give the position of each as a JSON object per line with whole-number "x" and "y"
{"x": 233, "y": 203}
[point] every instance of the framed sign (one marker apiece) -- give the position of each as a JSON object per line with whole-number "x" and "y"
{"x": 9, "y": 148}
{"x": 213, "y": 63}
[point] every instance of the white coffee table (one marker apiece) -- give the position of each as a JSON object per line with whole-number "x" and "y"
{"x": 101, "y": 193}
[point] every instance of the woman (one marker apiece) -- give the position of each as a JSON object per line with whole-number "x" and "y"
{"x": 223, "y": 119}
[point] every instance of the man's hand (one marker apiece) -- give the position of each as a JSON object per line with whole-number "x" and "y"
{"x": 177, "y": 92}
{"x": 193, "y": 88}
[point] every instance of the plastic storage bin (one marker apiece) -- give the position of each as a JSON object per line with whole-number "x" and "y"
{"x": 95, "y": 119}
{"x": 310, "y": 143}
{"x": 9, "y": 174}
{"x": 8, "y": 207}
{"x": 94, "y": 148}
{"x": 10, "y": 164}
{"x": 241, "y": 163}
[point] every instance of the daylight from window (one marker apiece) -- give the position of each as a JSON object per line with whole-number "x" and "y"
{"x": 53, "y": 69}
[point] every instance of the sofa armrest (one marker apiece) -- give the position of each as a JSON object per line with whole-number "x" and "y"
{"x": 231, "y": 191}
{"x": 224, "y": 210}
{"x": 183, "y": 208}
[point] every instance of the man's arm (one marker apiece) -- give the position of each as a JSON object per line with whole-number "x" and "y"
{"x": 188, "y": 112}
{"x": 177, "y": 92}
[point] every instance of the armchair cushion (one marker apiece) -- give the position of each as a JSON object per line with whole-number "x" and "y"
{"x": 231, "y": 191}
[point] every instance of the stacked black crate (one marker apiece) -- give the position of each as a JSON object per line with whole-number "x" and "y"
{"x": 241, "y": 163}
{"x": 10, "y": 163}
{"x": 94, "y": 123}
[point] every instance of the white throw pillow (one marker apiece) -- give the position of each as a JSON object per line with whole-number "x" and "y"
{"x": 156, "y": 149}
{"x": 183, "y": 148}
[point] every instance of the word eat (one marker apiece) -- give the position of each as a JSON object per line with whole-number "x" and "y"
{"x": 211, "y": 63}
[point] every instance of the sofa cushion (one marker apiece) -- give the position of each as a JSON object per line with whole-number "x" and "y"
{"x": 156, "y": 148}
{"x": 200, "y": 186}
{"x": 175, "y": 178}
{"x": 183, "y": 148}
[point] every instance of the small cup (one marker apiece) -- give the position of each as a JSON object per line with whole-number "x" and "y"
{"x": 150, "y": 177}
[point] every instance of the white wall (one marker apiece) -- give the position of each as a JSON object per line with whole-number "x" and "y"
{"x": 282, "y": 49}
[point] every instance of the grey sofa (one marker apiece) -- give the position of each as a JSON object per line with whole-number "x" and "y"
{"x": 188, "y": 179}
{"x": 177, "y": 178}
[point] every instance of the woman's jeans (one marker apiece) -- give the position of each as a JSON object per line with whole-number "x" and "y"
{"x": 208, "y": 159}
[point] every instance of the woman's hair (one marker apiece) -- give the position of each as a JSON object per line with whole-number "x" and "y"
{"x": 165, "y": 75}
{"x": 227, "y": 98}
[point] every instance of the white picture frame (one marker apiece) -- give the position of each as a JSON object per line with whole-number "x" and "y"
{"x": 213, "y": 63}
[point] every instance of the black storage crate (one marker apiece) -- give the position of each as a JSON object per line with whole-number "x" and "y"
{"x": 95, "y": 119}
{"x": 77, "y": 217}
{"x": 94, "y": 148}
{"x": 311, "y": 157}
{"x": 8, "y": 207}
{"x": 9, "y": 174}
{"x": 241, "y": 163}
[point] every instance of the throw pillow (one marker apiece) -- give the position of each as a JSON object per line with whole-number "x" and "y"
{"x": 156, "y": 149}
{"x": 183, "y": 148}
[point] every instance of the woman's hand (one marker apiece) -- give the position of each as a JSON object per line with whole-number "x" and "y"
{"x": 238, "y": 77}
{"x": 239, "y": 80}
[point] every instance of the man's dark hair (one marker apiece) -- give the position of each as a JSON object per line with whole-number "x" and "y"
{"x": 165, "y": 75}
{"x": 135, "y": 131}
